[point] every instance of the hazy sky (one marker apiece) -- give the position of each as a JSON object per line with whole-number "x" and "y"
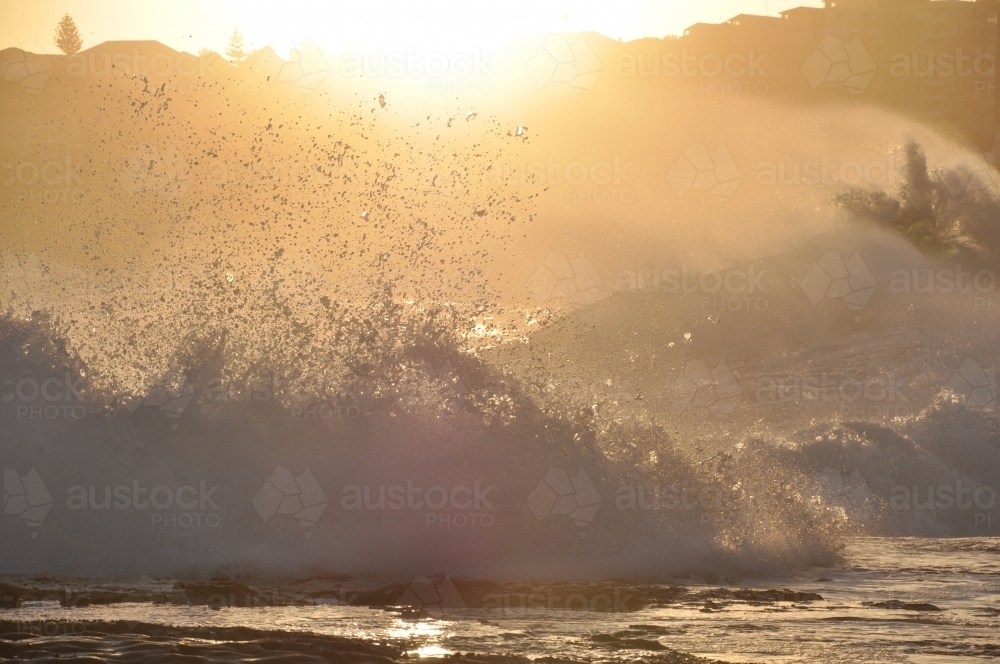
{"x": 360, "y": 24}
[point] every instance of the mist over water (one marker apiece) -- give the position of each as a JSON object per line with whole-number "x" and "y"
{"x": 368, "y": 331}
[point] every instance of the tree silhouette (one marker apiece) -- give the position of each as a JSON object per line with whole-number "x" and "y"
{"x": 236, "y": 53}
{"x": 67, "y": 36}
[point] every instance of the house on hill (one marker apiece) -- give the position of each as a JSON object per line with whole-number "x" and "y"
{"x": 934, "y": 60}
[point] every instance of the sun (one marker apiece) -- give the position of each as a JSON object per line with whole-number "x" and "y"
{"x": 340, "y": 26}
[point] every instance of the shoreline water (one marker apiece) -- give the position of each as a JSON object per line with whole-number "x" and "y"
{"x": 893, "y": 600}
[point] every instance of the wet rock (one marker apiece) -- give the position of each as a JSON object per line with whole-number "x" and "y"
{"x": 784, "y": 595}
{"x": 896, "y": 604}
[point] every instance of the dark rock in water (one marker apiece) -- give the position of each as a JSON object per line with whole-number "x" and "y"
{"x": 604, "y": 638}
{"x": 221, "y": 592}
{"x": 479, "y": 593}
{"x": 784, "y": 595}
{"x": 627, "y": 643}
{"x": 385, "y": 596}
{"x": 10, "y": 596}
{"x": 923, "y": 606}
{"x": 49, "y": 590}
{"x": 905, "y": 606}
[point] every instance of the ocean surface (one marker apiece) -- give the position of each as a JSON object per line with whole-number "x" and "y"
{"x": 892, "y": 600}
